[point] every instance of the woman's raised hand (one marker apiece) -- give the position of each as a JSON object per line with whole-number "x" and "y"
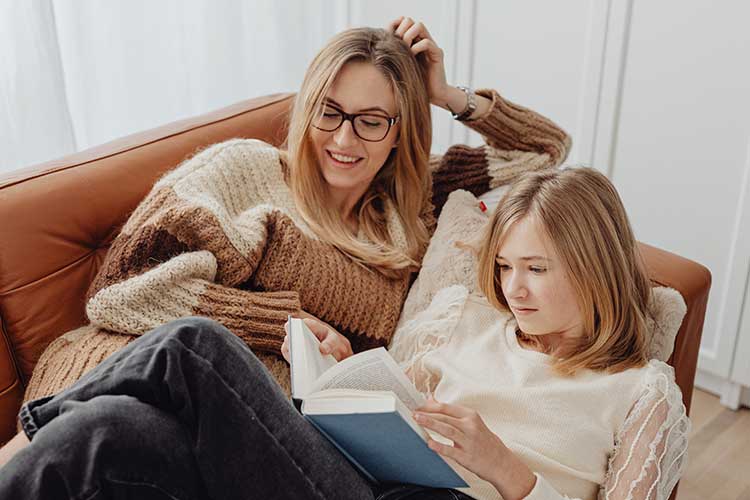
{"x": 331, "y": 341}
{"x": 418, "y": 39}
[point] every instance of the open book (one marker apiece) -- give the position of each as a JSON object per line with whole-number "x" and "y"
{"x": 364, "y": 405}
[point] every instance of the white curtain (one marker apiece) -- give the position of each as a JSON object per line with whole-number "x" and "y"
{"x": 76, "y": 73}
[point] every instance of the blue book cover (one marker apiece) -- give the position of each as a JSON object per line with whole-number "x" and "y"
{"x": 385, "y": 448}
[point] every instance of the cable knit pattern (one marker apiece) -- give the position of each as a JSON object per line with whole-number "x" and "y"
{"x": 220, "y": 236}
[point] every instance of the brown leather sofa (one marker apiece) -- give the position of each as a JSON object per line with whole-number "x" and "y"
{"x": 58, "y": 219}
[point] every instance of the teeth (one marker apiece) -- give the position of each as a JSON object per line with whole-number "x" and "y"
{"x": 345, "y": 159}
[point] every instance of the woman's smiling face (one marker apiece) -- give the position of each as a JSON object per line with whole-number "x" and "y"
{"x": 349, "y": 163}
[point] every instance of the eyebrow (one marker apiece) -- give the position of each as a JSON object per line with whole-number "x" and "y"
{"x": 373, "y": 108}
{"x": 530, "y": 257}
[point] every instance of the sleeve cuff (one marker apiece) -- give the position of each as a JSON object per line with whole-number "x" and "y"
{"x": 543, "y": 490}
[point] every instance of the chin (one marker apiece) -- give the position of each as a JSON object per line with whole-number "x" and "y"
{"x": 340, "y": 182}
{"x": 528, "y": 328}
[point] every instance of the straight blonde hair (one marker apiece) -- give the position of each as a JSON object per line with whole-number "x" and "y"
{"x": 582, "y": 215}
{"x": 402, "y": 184}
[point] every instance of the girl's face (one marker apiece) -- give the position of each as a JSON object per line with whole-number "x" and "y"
{"x": 536, "y": 284}
{"x": 348, "y": 162}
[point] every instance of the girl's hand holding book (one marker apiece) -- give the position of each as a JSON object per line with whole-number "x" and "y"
{"x": 476, "y": 447}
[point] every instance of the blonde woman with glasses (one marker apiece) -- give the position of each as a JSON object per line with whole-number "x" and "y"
{"x": 329, "y": 228}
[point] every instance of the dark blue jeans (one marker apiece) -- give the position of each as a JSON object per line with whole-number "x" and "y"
{"x": 187, "y": 411}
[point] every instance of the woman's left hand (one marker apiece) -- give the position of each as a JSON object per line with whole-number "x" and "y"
{"x": 418, "y": 39}
{"x": 475, "y": 447}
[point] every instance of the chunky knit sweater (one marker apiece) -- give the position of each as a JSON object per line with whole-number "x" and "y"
{"x": 220, "y": 237}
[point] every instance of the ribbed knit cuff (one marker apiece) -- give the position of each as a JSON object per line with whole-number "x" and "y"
{"x": 256, "y": 317}
{"x": 509, "y": 126}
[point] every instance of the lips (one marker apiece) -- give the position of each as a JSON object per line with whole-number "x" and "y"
{"x": 522, "y": 310}
{"x": 342, "y": 160}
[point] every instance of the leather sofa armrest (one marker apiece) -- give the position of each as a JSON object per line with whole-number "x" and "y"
{"x": 693, "y": 281}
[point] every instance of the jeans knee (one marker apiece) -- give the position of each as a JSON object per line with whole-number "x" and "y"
{"x": 197, "y": 325}
{"x": 207, "y": 338}
{"x": 116, "y": 417}
{"x": 199, "y": 332}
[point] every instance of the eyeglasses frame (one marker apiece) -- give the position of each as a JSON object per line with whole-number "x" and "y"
{"x": 392, "y": 120}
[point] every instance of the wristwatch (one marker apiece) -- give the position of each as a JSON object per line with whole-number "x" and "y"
{"x": 471, "y": 104}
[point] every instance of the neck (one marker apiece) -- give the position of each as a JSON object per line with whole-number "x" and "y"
{"x": 554, "y": 344}
{"x": 344, "y": 202}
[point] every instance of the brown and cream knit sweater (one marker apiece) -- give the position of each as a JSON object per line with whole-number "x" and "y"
{"x": 220, "y": 237}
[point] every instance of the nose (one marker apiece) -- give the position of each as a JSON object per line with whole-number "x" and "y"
{"x": 514, "y": 286}
{"x": 345, "y": 135}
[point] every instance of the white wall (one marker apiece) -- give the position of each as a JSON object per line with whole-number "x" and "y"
{"x": 684, "y": 131}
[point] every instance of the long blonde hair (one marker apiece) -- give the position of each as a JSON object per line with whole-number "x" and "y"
{"x": 403, "y": 182}
{"x": 582, "y": 215}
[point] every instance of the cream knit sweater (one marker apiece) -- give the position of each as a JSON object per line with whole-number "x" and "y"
{"x": 220, "y": 237}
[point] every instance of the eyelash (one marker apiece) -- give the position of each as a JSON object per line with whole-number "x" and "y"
{"x": 533, "y": 269}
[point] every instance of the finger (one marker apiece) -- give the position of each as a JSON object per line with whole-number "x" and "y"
{"x": 319, "y": 329}
{"x": 420, "y": 46}
{"x": 414, "y": 33}
{"x": 346, "y": 352}
{"x": 328, "y": 343}
{"x": 404, "y": 26}
{"x": 434, "y": 406}
{"x": 433, "y": 51}
{"x": 447, "y": 450}
{"x": 461, "y": 424}
{"x": 394, "y": 24}
{"x": 340, "y": 354}
{"x": 285, "y": 348}
{"x": 338, "y": 346}
{"x": 445, "y": 426}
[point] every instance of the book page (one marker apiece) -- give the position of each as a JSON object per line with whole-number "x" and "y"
{"x": 307, "y": 362}
{"x": 373, "y": 370}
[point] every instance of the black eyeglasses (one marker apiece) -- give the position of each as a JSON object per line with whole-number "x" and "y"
{"x": 368, "y": 127}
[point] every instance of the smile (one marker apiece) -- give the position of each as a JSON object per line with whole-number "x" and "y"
{"x": 343, "y": 160}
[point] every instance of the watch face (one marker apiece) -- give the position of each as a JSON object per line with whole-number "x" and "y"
{"x": 471, "y": 104}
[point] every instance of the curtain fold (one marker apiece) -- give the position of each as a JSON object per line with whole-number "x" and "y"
{"x": 77, "y": 73}
{"x": 35, "y": 123}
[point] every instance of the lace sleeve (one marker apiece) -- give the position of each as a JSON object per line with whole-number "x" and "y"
{"x": 651, "y": 448}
